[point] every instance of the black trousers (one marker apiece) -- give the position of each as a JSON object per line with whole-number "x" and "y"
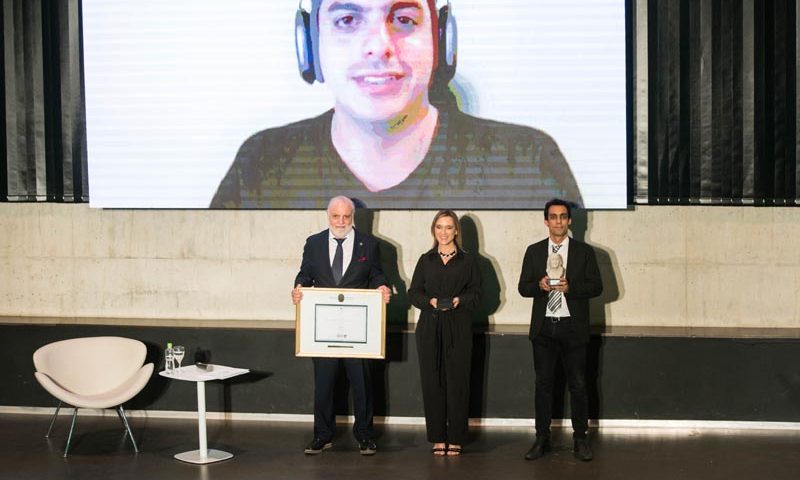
{"x": 559, "y": 340}
{"x": 444, "y": 346}
{"x": 325, "y": 372}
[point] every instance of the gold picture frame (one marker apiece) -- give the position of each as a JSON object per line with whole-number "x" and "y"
{"x": 340, "y": 323}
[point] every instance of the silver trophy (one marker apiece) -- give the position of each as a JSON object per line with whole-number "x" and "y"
{"x": 555, "y": 269}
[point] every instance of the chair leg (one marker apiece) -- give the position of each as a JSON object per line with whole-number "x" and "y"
{"x": 71, "y": 428}
{"x": 53, "y": 421}
{"x": 119, "y": 415}
{"x": 124, "y": 419}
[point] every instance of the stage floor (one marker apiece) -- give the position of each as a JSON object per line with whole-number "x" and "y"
{"x": 274, "y": 450}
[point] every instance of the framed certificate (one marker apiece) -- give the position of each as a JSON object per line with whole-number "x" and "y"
{"x": 341, "y": 322}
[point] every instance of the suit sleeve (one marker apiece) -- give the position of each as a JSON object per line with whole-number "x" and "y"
{"x": 305, "y": 276}
{"x": 376, "y": 275}
{"x": 589, "y": 284}
{"x": 471, "y": 293}
{"x": 416, "y": 291}
{"x": 529, "y": 277}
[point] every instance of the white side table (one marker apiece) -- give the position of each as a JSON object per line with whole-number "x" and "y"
{"x": 193, "y": 373}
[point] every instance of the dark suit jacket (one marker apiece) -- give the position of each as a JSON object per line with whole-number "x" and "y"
{"x": 364, "y": 270}
{"x": 584, "y": 280}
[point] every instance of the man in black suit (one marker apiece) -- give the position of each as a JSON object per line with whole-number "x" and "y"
{"x": 342, "y": 257}
{"x": 560, "y": 323}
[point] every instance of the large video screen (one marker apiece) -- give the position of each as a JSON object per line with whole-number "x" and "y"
{"x": 399, "y": 104}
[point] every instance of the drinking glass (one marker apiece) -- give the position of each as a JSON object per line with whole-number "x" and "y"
{"x": 178, "y": 351}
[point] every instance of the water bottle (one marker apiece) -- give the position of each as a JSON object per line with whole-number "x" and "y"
{"x": 169, "y": 359}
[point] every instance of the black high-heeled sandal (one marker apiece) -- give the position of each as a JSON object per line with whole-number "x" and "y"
{"x": 453, "y": 451}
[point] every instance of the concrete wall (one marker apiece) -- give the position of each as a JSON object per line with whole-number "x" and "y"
{"x": 663, "y": 266}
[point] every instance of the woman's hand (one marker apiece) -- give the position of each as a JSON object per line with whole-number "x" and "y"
{"x": 434, "y": 302}
{"x": 456, "y": 301}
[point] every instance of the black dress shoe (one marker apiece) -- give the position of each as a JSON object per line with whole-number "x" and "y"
{"x": 367, "y": 447}
{"x": 539, "y": 448}
{"x": 582, "y": 451}
{"x": 317, "y": 446}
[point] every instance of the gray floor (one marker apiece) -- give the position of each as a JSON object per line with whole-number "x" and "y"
{"x": 274, "y": 450}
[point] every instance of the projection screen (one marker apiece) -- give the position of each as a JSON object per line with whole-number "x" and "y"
{"x": 200, "y": 103}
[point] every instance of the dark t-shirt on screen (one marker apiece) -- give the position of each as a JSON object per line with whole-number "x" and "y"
{"x": 472, "y": 163}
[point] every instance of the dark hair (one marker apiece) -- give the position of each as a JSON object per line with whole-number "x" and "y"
{"x": 454, "y": 217}
{"x": 557, "y": 201}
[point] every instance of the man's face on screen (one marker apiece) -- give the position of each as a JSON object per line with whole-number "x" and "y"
{"x": 376, "y": 56}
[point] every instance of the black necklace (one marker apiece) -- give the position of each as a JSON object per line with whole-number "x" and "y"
{"x": 447, "y": 255}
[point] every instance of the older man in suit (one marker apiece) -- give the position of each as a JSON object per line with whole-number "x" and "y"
{"x": 341, "y": 257}
{"x": 560, "y": 323}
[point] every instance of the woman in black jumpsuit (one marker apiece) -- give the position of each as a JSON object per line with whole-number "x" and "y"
{"x": 445, "y": 287}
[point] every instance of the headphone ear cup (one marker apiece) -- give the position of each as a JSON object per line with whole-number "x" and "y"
{"x": 448, "y": 42}
{"x": 303, "y": 47}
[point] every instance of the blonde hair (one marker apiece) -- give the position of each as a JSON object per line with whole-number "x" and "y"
{"x": 454, "y": 217}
